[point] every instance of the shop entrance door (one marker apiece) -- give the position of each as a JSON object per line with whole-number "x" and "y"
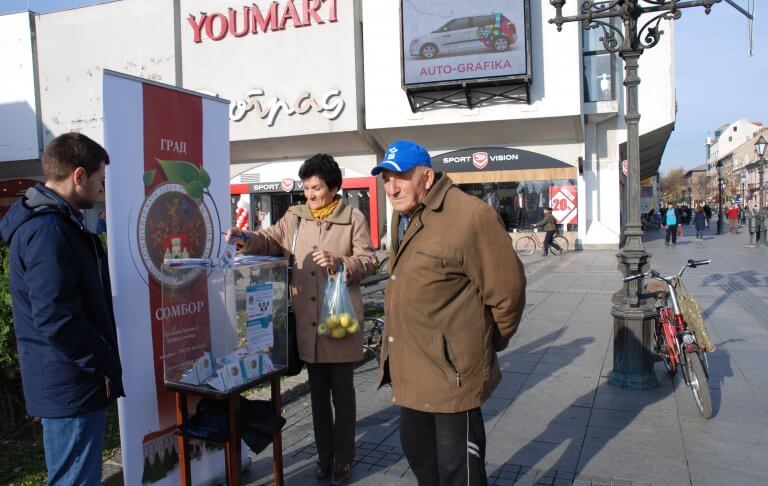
{"x": 281, "y": 203}
{"x": 360, "y": 199}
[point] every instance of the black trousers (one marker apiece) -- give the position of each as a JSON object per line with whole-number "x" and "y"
{"x": 671, "y": 231}
{"x": 444, "y": 449}
{"x": 548, "y": 241}
{"x": 334, "y": 436}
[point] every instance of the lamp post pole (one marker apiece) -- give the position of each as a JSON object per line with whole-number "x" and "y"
{"x": 760, "y": 147}
{"x": 633, "y": 313}
{"x": 719, "y": 198}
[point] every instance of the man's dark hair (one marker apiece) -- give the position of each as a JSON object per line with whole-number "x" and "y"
{"x": 69, "y": 151}
{"x": 323, "y": 166}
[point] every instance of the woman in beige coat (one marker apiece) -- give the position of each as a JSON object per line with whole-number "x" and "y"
{"x": 329, "y": 233}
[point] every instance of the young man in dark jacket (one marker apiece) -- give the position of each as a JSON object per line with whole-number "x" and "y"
{"x": 62, "y": 309}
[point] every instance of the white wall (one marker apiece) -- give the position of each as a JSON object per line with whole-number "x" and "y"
{"x": 656, "y": 92}
{"x": 736, "y": 134}
{"x": 74, "y": 46}
{"x": 555, "y": 91}
{"x": 18, "y": 112}
{"x": 316, "y": 59}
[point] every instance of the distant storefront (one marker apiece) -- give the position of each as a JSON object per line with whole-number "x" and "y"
{"x": 518, "y": 184}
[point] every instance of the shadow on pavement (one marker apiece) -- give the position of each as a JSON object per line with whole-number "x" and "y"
{"x": 736, "y": 285}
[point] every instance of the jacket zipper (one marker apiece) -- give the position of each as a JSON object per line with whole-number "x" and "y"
{"x": 446, "y": 352}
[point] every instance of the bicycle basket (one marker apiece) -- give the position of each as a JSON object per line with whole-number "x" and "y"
{"x": 694, "y": 317}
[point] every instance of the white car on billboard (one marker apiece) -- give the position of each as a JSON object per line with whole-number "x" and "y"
{"x": 465, "y": 34}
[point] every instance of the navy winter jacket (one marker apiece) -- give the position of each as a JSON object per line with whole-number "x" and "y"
{"x": 62, "y": 307}
{"x": 700, "y": 220}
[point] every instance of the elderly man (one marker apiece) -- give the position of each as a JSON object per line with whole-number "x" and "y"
{"x": 454, "y": 299}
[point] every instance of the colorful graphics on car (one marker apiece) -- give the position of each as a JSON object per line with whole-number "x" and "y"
{"x": 502, "y": 26}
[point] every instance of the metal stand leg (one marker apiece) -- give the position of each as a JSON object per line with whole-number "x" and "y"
{"x": 232, "y": 449}
{"x": 182, "y": 414}
{"x": 277, "y": 440}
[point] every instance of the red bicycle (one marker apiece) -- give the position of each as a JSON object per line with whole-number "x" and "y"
{"x": 676, "y": 343}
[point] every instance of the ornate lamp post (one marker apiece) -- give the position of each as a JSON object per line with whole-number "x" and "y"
{"x": 719, "y": 167}
{"x": 760, "y": 147}
{"x": 690, "y": 197}
{"x": 632, "y": 311}
{"x": 744, "y": 189}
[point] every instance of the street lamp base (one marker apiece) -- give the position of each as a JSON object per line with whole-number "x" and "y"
{"x": 632, "y": 343}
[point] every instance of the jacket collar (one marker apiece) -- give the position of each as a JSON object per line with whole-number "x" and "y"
{"x": 433, "y": 202}
{"x": 436, "y": 196}
{"x": 341, "y": 215}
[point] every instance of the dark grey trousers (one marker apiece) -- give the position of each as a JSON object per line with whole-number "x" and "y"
{"x": 334, "y": 436}
{"x": 444, "y": 449}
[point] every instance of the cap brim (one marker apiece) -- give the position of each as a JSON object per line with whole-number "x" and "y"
{"x": 387, "y": 165}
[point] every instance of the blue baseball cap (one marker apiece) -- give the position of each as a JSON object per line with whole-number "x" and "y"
{"x": 403, "y": 156}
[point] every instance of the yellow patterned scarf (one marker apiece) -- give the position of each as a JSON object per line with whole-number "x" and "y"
{"x": 322, "y": 213}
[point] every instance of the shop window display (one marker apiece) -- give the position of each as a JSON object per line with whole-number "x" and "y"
{"x": 520, "y": 204}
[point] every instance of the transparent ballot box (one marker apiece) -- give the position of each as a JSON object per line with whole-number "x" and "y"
{"x": 224, "y": 327}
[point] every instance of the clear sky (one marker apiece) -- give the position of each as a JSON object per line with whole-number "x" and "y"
{"x": 717, "y": 82}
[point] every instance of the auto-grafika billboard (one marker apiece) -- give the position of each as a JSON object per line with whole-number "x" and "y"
{"x": 453, "y": 41}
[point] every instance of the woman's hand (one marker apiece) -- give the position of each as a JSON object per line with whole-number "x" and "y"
{"x": 325, "y": 259}
{"x": 236, "y": 236}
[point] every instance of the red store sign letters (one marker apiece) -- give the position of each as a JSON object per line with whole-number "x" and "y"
{"x": 252, "y": 19}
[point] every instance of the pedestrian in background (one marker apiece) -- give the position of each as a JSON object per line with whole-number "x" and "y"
{"x": 733, "y": 214}
{"x": 670, "y": 218}
{"x": 549, "y": 225}
{"x": 708, "y": 213}
{"x": 699, "y": 220}
{"x": 62, "y": 309}
{"x": 455, "y": 297}
{"x": 101, "y": 223}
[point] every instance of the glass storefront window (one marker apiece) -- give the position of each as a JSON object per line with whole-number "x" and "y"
{"x": 520, "y": 204}
{"x": 598, "y": 77}
{"x": 599, "y": 67}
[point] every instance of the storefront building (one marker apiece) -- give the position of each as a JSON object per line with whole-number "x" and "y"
{"x": 513, "y": 111}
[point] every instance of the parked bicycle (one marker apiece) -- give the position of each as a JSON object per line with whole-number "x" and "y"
{"x": 526, "y": 245}
{"x": 650, "y": 222}
{"x": 676, "y": 343}
{"x": 373, "y": 325}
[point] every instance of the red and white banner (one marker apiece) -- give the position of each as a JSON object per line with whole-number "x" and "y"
{"x": 563, "y": 201}
{"x": 166, "y": 182}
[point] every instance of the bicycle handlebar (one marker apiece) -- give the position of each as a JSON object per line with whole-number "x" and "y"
{"x": 654, "y": 274}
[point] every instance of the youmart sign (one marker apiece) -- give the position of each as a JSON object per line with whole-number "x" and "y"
{"x": 252, "y": 19}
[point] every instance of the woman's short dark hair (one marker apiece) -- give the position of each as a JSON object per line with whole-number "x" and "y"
{"x": 69, "y": 151}
{"x": 324, "y": 167}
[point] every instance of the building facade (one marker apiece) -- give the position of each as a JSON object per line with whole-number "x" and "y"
{"x": 733, "y": 146}
{"x": 348, "y": 77}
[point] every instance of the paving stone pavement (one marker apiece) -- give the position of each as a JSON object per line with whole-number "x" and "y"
{"x": 554, "y": 419}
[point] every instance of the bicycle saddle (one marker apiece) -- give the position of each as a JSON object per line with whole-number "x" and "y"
{"x": 657, "y": 287}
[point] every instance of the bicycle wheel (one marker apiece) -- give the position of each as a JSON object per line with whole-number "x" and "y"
{"x": 525, "y": 245}
{"x": 697, "y": 375}
{"x": 562, "y": 242}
